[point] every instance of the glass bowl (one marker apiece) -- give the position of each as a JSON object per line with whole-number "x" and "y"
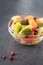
{"x": 33, "y": 40}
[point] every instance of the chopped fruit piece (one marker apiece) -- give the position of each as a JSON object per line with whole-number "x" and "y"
{"x": 29, "y": 26}
{"x": 22, "y": 19}
{"x": 27, "y": 40}
{"x": 38, "y": 21}
{"x": 33, "y": 23}
{"x": 23, "y": 22}
{"x": 26, "y": 36}
{"x": 17, "y": 27}
{"x": 11, "y": 58}
{"x": 34, "y": 31}
{"x": 31, "y": 36}
{"x": 41, "y": 20}
{"x": 40, "y": 30}
{"x": 26, "y": 32}
{"x": 26, "y": 27}
{"x": 29, "y": 17}
{"x": 16, "y": 18}
{"x": 40, "y": 24}
{"x": 13, "y": 53}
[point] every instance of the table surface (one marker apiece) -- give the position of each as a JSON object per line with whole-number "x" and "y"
{"x": 25, "y": 55}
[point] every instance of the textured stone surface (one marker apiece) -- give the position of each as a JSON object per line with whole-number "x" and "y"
{"x": 25, "y": 55}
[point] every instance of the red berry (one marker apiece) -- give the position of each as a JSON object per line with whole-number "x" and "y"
{"x": 35, "y": 18}
{"x": 26, "y": 36}
{"x": 11, "y": 58}
{"x": 13, "y": 53}
{"x": 3, "y": 56}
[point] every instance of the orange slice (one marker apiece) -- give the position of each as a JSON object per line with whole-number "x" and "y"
{"x": 33, "y": 23}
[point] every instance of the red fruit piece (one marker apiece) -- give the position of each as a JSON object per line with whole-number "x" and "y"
{"x": 31, "y": 36}
{"x": 35, "y": 18}
{"x": 3, "y": 56}
{"x": 32, "y": 31}
{"x": 27, "y": 36}
{"x": 22, "y": 19}
{"x": 11, "y": 58}
{"x": 13, "y": 53}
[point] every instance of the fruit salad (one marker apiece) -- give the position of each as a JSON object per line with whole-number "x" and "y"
{"x": 27, "y": 29}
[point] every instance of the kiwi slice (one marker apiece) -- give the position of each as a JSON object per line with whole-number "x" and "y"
{"x": 40, "y": 30}
{"x": 26, "y": 31}
{"x": 17, "y": 27}
{"x": 40, "y": 24}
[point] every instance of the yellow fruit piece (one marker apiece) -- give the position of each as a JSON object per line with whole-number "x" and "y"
{"x": 16, "y": 18}
{"x": 29, "y": 17}
{"x": 40, "y": 20}
{"x": 33, "y": 23}
{"x": 28, "y": 26}
{"x": 34, "y": 41}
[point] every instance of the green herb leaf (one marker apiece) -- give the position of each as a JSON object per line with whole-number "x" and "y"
{"x": 26, "y": 32}
{"x": 23, "y": 22}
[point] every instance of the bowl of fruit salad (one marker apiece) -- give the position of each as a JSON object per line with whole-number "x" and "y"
{"x": 26, "y": 30}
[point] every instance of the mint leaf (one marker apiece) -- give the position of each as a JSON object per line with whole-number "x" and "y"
{"x": 26, "y": 32}
{"x": 23, "y": 22}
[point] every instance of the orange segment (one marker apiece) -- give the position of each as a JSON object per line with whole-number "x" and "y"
{"x": 33, "y": 23}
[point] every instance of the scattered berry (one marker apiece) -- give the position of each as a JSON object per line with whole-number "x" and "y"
{"x": 3, "y": 56}
{"x": 11, "y": 58}
{"x": 13, "y": 53}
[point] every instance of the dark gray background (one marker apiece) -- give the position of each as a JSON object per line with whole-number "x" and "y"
{"x": 25, "y": 55}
